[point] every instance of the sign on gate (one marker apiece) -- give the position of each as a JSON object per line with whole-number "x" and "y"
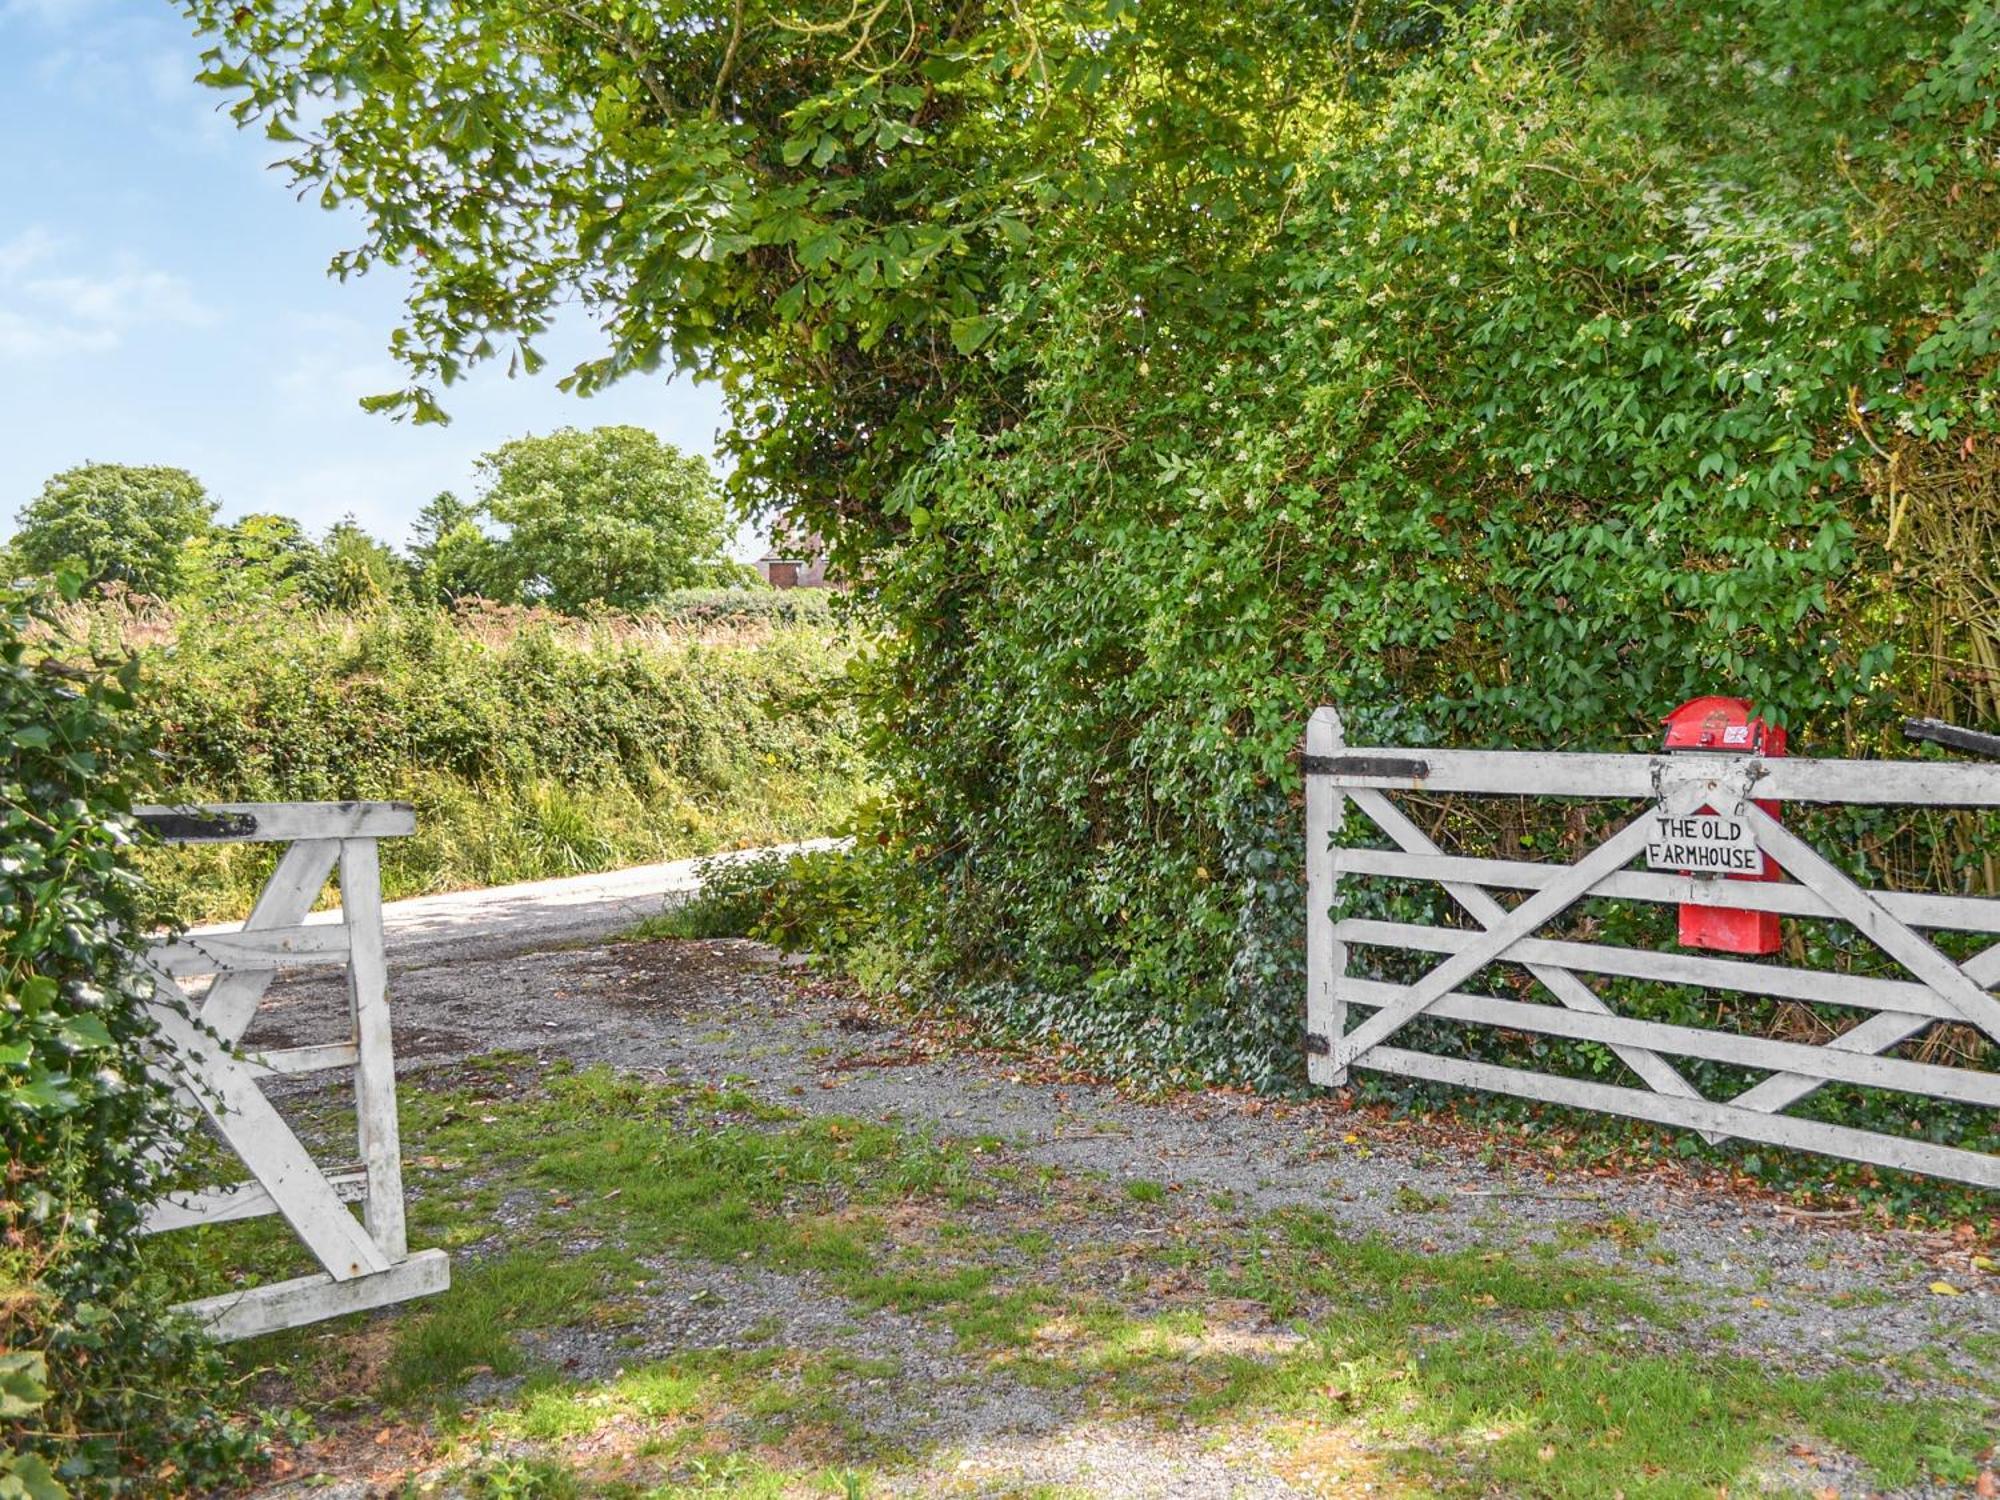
{"x": 1704, "y": 843}
{"x": 365, "y": 1262}
{"x": 1353, "y": 1017}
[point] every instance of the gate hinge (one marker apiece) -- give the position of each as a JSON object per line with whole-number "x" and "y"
{"x": 196, "y": 825}
{"x": 1393, "y": 767}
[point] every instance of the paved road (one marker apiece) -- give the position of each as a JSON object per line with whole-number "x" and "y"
{"x": 540, "y": 913}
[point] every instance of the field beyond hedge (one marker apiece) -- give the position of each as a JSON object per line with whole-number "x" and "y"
{"x": 532, "y": 745}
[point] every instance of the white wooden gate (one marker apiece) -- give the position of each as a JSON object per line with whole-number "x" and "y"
{"x": 1937, "y": 990}
{"x": 367, "y": 1262}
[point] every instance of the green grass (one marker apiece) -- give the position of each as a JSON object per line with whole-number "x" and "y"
{"x": 474, "y": 1327}
{"x": 1413, "y": 1200}
{"x": 1465, "y": 1372}
{"x": 1494, "y": 1373}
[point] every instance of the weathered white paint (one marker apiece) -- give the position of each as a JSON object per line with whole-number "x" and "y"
{"x": 250, "y": 1126}
{"x": 1491, "y": 944}
{"x": 375, "y": 1070}
{"x": 1565, "y": 986}
{"x": 1814, "y": 986}
{"x": 310, "y": 1299}
{"x": 1960, "y": 913}
{"x": 366, "y": 1262}
{"x": 1326, "y": 957}
{"x": 286, "y": 898}
{"x": 261, "y": 951}
{"x": 1697, "y": 1114}
{"x": 241, "y": 1200}
{"x": 1539, "y": 773}
{"x": 287, "y": 822}
{"x": 1971, "y": 1086}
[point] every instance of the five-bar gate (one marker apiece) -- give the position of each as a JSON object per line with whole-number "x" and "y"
{"x": 1352, "y": 1020}
{"x": 365, "y": 1262}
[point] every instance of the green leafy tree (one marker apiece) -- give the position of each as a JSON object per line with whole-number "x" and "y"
{"x": 115, "y": 523}
{"x": 260, "y": 557}
{"x": 610, "y": 516}
{"x": 352, "y": 571}
{"x": 451, "y": 555}
{"x": 829, "y": 208}
{"x": 442, "y": 514}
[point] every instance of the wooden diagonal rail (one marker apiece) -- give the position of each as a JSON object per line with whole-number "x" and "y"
{"x": 1549, "y": 902}
{"x": 1561, "y": 983}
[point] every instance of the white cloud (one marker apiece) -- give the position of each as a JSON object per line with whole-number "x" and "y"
{"x": 137, "y": 71}
{"x": 123, "y": 299}
{"x": 84, "y": 311}
{"x": 17, "y": 254}
{"x": 25, "y": 338}
{"x": 316, "y": 381}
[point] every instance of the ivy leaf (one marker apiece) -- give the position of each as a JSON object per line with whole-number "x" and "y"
{"x": 37, "y": 994}
{"x": 24, "y": 1383}
{"x": 26, "y": 1476}
{"x": 50, "y": 1094}
{"x": 85, "y": 1032}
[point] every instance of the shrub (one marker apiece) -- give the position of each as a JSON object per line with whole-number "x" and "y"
{"x": 720, "y": 606}
{"x": 532, "y": 745}
{"x": 104, "y": 1384}
{"x": 1552, "y": 402}
{"x": 821, "y": 901}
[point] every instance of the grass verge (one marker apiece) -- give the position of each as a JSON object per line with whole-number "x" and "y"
{"x": 910, "y": 1283}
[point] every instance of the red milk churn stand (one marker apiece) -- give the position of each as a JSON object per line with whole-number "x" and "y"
{"x": 1725, "y": 726}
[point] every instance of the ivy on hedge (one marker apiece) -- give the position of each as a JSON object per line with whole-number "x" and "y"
{"x": 104, "y": 1391}
{"x": 1576, "y": 367}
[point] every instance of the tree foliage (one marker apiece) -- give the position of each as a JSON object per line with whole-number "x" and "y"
{"x": 261, "y": 557}
{"x": 451, "y": 556}
{"x": 352, "y": 570}
{"x": 1503, "y": 373}
{"x": 610, "y": 516}
{"x": 115, "y": 523}
{"x": 822, "y": 205}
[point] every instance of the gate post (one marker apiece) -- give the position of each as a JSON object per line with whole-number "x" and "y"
{"x": 1326, "y": 955}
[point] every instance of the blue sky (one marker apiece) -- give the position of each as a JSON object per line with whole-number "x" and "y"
{"x": 164, "y": 299}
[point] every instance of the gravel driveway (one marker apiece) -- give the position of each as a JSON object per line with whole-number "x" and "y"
{"x": 477, "y": 975}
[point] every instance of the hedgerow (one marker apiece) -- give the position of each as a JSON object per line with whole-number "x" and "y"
{"x": 728, "y": 606}
{"x": 102, "y": 1390}
{"x": 532, "y": 745}
{"x": 1591, "y": 364}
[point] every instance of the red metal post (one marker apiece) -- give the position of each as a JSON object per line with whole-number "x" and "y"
{"x": 1717, "y": 725}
